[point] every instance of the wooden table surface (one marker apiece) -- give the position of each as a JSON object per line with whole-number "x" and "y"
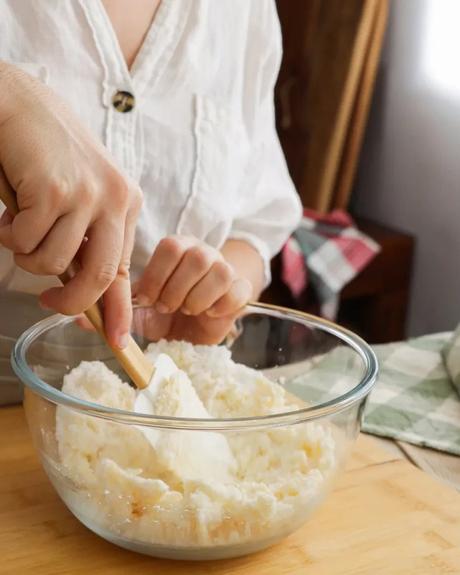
{"x": 384, "y": 517}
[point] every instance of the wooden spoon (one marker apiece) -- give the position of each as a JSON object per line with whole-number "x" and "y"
{"x": 131, "y": 358}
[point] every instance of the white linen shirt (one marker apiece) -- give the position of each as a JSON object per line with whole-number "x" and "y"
{"x": 200, "y": 139}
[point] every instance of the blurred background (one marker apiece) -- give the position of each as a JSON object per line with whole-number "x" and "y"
{"x": 368, "y": 112}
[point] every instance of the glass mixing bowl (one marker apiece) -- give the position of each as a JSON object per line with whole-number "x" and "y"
{"x": 288, "y": 439}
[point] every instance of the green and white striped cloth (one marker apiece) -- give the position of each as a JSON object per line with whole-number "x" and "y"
{"x": 417, "y": 397}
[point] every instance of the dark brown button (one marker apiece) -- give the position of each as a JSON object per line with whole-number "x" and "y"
{"x": 123, "y": 101}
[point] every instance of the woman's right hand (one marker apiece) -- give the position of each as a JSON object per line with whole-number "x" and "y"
{"x": 72, "y": 200}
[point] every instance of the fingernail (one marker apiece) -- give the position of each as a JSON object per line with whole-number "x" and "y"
{"x": 185, "y": 311}
{"x": 211, "y": 312}
{"x": 161, "y": 307}
{"x": 143, "y": 299}
{"x": 122, "y": 341}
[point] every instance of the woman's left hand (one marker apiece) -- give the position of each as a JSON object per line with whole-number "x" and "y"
{"x": 196, "y": 295}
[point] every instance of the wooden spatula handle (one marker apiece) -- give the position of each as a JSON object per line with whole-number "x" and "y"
{"x": 131, "y": 358}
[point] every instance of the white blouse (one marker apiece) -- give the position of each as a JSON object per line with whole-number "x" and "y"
{"x": 200, "y": 138}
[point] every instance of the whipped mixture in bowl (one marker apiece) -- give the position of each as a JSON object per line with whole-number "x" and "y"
{"x": 177, "y": 493}
{"x": 223, "y": 459}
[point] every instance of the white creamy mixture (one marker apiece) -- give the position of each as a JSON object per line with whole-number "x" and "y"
{"x": 135, "y": 489}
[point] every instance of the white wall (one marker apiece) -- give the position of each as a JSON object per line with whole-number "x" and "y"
{"x": 409, "y": 174}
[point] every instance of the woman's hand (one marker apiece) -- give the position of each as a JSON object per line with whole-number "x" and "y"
{"x": 195, "y": 293}
{"x": 72, "y": 200}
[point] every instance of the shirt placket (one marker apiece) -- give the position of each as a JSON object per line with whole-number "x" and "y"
{"x": 124, "y": 131}
{"x": 122, "y": 91}
{"x": 118, "y": 93}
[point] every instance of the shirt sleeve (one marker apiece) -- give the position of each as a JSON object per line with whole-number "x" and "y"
{"x": 270, "y": 207}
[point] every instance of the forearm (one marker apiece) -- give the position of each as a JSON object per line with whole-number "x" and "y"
{"x": 247, "y": 263}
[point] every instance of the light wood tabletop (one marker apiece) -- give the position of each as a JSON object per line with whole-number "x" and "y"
{"x": 385, "y": 516}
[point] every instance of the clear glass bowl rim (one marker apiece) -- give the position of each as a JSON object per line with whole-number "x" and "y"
{"x": 328, "y": 408}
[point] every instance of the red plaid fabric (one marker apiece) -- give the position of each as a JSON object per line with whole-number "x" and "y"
{"x": 328, "y": 251}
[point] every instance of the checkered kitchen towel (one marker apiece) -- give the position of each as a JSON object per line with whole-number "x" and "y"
{"x": 415, "y": 399}
{"x": 329, "y": 251}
